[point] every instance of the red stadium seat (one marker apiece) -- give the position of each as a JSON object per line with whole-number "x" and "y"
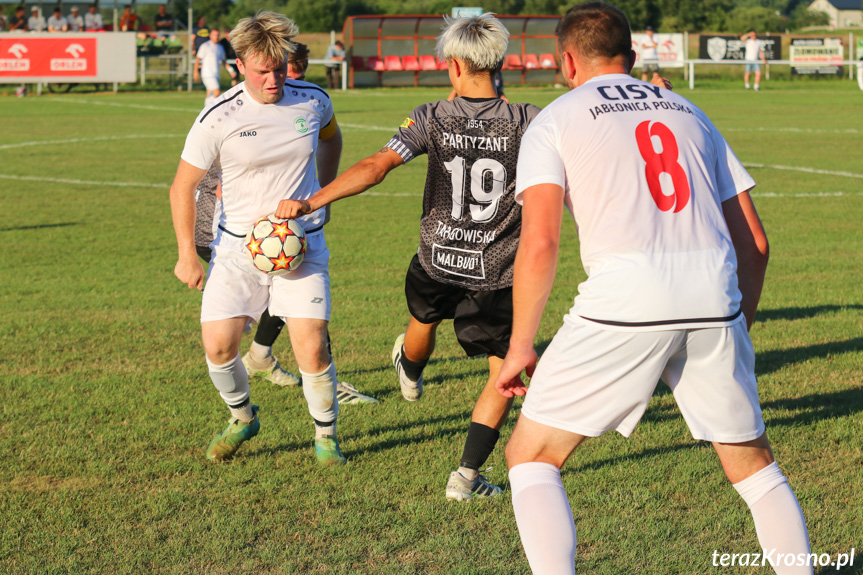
{"x": 512, "y": 62}
{"x": 428, "y": 62}
{"x": 531, "y": 62}
{"x": 410, "y": 63}
{"x": 392, "y": 63}
{"x": 441, "y": 65}
{"x": 358, "y": 63}
{"x": 376, "y": 64}
{"x": 547, "y": 62}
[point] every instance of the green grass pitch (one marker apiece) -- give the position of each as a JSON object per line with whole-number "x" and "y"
{"x": 107, "y": 407}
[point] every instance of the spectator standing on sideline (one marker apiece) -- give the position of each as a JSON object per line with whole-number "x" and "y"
{"x": 128, "y": 20}
{"x": 4, "y": 24}
{"x": 200, "y": 34}
{"x": 674, "y": 275}
{"x": 649, "y": 55}
{"x": 754, "y": 53}
{"x": 334, "y": 71}
{"x": 164, "y": 22}
{"x": 56, "y": 22}
{"x": 92, "y": 19}
{"x": 75, "y": 20}
{"x": 18, "y": 21}
{"x": 208, "y": 65}
{"x": 36, "y": 23}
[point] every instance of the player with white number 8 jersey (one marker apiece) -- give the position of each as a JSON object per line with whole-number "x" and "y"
{"x": 675, "y": 255}
{"x": 665, "y": 172}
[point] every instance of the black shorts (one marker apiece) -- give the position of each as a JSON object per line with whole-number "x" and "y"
{"x": 482, "y": 319}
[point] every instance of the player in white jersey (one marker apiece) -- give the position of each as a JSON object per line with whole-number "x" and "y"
{"x": 267, "y": 135}
{"x": 209, "y": 60}
{"x": 675, "y": 255}
{"x": 753, "y": 53}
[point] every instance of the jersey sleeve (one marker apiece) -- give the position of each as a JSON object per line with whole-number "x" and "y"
{"x": 539, "y": 157}
{"x": 202, "y": 144}
{"x": 412, "y": 138}
{"x": 731, "y": 177}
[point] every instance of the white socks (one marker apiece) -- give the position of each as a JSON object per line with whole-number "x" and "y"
{"x": 544, "y": 518}
{"x": 547, "y": 530}
{"x": 779, "y": 521}
{"x": 260, "y": 354}
{"x": 320, "y": 392}
{"x": 232, "y": 381}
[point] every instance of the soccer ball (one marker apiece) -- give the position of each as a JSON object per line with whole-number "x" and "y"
{"x": 275, "y": 246}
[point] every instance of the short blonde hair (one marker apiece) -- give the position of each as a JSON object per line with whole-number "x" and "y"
{"x": 266, "y": 35}
{"x": 479, "y": 41}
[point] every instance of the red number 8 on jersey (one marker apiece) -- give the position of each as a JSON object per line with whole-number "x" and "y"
{"x": 665, "y": 162}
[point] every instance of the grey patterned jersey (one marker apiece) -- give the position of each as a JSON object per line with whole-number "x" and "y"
{"x": 205, "y": 204}
{"x": 470, "y": 224}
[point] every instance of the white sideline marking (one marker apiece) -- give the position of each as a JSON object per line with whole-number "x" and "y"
{"x": 93, "y": 139}
{"x": 83, "y": 182}
{"x": 376, "y": 194}
{"x": 802, "y": 169}
{"x": 119, "y": 105}
{"x": 149, "y": 107}
{"x": 794, "y": 130}
{"x": 808, "y": 195}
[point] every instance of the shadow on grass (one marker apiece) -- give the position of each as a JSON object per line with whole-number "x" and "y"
{"x": 790, "y": 313}
{"x": 770, "y": 361}
{"x": 454, "y": 424}
{"x": 39, "y": 227}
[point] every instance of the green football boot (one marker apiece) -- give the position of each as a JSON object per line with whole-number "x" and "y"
{"x": 327, "y": 451}
{"x": 229, "y": 441}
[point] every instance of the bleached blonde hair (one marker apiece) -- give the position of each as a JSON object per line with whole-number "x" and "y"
{"x": 479, "y": 41}
{"x": 266, "y": 35}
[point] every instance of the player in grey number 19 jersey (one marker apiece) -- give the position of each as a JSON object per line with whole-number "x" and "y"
{"x": 470, "y": 227}
{"x": 471, "y": 222}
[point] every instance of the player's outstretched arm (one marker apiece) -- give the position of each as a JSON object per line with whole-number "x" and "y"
{"x": 753, "y": 251}
{"x": 534, "y": 271}
{"x": 188, "y": 269}
{"x": 355, "y": 180}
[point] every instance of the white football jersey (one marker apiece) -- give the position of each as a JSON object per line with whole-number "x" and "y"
{"x": 266, "y": 152}
{"x": 212, "y": 57}
{"x": 644, "y": 173}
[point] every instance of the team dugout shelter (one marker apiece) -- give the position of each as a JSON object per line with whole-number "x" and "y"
{"x": 400, "y": 50}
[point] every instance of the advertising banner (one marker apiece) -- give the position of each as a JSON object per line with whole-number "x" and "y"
{"x": 669, "y": 47}
{"x": 723, "y": 48}
{"x": 64, "y": 58}
{"x": 816, "y": 56}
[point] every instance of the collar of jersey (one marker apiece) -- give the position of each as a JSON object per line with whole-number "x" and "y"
{"x": 478, "y": 100}
{"x": 607, "y": 77}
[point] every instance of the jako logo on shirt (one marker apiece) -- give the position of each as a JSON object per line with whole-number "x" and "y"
{"x": 301, "y": 125}
{"x": 246, "y": 134}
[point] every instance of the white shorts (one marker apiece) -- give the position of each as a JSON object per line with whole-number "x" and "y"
{"x": 210, "y": 82}
{"x": 593, "y": 380}
{"x": 235, "y": 288}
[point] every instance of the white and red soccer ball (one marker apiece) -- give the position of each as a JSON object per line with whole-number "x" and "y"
{"x": 275, "y": 246}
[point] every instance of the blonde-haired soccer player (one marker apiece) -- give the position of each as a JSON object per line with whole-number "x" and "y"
{"x": 675, "y": 256}
{"x": 268, "y": 136}
{"x": 469, "y": 230}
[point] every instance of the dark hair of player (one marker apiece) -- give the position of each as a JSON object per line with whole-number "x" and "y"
{"x": 595, "y": 30}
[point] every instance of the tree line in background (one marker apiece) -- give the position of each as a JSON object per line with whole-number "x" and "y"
{"x": 735, "y": 16}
